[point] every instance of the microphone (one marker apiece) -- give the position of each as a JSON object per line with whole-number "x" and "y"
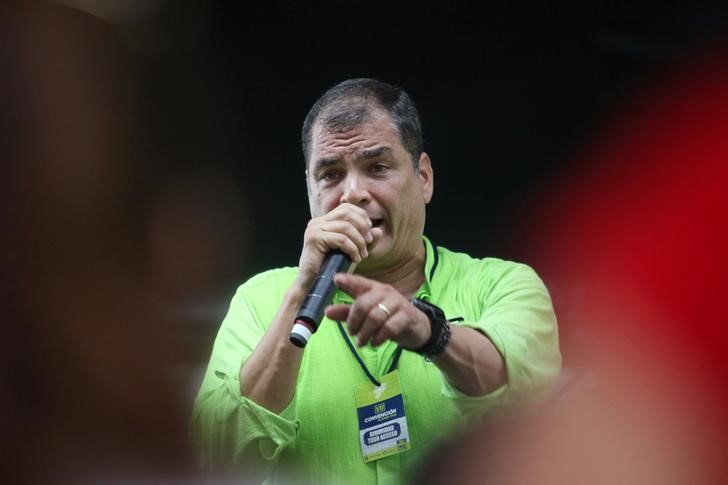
{"x": 319, "y": 296}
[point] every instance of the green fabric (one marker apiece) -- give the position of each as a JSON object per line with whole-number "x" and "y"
{"x": 315, "y": 439}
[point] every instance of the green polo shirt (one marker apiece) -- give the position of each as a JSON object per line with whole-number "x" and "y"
{"x": 315, "y": 439}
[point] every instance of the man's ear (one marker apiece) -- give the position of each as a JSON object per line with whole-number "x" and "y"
{"x": 426, "y": 177}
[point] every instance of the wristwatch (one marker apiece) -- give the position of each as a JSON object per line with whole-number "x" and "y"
{"x": 440, "y": 335}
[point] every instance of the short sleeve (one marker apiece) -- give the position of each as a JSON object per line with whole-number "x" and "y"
{"x": 517, "y": 316}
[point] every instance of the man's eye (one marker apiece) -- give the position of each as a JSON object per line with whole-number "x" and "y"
{"x": 329, "y": 176}
{"x": 379, "y": 167}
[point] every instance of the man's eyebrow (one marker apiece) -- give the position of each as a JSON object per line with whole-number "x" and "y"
{"x": 325, "y": 162}
{"x": 375, "y": 152}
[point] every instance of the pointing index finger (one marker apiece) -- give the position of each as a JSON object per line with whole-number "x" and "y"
{"x": 353, "y": 285}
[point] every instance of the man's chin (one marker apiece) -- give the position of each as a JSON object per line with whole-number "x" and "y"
{"x": 374, "y": 262}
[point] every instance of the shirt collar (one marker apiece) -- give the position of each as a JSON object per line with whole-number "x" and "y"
{"x": 431, "y": 262}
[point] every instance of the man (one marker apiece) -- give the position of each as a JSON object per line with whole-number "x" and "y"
{"x": 385, "y": 375}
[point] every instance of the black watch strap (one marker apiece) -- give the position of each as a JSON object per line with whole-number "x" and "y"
{"x": 440, "y": 328}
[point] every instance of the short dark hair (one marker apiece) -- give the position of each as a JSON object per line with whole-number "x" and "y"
{"x": 352, "y": 102}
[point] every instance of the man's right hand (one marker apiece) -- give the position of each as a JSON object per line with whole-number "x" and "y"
{"x": 347, "y": 228}
{"x": 269, "y": 375}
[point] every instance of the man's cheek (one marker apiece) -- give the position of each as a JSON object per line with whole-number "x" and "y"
{"x": 330, "y": 203}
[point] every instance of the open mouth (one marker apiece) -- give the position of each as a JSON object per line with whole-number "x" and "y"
{"x": 377, "y": 222}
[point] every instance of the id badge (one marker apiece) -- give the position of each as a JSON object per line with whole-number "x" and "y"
{"x": 382, "y": 421}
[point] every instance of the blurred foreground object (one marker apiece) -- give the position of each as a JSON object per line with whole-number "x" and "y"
{"x": 633, "y": 243}
{"x": 87, "y": 348}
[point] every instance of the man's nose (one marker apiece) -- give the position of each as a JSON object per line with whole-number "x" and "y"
{"x": 355, "y": 191}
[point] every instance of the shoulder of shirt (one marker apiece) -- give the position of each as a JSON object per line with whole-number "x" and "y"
{"x": 278, "y": 278}
{"x": 453, "y": 262}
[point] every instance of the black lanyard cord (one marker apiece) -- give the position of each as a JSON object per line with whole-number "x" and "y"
{"x": 395, "y": 360}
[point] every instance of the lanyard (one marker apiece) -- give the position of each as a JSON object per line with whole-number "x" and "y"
{"x": 395, "y": 360}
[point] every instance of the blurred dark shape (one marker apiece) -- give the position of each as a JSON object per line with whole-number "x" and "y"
{"x": 194, "y": 215}
{"x": 197, "y": 232}
{"x": 632, "y": 242}
{"x": 89, "y": 343}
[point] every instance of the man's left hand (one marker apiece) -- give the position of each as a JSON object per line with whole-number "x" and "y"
{"x": 379, "y": 313}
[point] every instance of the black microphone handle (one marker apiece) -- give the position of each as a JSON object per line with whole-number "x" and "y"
{"x": 319, "y": 297}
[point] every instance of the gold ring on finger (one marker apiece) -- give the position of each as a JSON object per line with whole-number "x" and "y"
{"x": 385, "y": 309}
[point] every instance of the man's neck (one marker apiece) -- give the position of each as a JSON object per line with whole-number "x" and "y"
{"x": 406, "y": 277}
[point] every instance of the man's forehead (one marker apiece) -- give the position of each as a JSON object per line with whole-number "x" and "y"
{"x": 376, "y": 118}
{"x": 360, "y": 151}
{"x": 364, "y": 136}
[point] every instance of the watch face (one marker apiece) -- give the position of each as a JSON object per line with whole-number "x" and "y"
{"x": 436, "y": 311}
{"x": 432, "y": 311}
{"x": 440, "y": 328}
{"x": 439, "y": 313}
{"x": 423, "y": 304}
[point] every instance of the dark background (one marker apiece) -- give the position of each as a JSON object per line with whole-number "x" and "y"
{"x": 507, "y": 95}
